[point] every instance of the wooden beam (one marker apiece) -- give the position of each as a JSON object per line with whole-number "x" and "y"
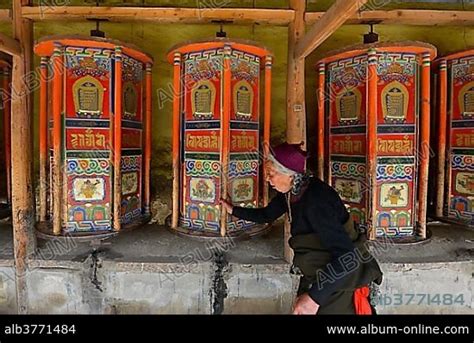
{"x": 295, "y": 97}
{"x": 5, "y": 15}
{"x": 161, "y": 14}
{"x": 23, "y": 212}
{"x": 9, "y": 45}
{"x": 327, "y": 25}
{"x": 243, "y": 15}
{"x": 296, "y": 112}
{"x": 404, "y": 17}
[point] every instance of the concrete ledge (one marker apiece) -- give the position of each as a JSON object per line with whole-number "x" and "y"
{"x": 154, "y": 272}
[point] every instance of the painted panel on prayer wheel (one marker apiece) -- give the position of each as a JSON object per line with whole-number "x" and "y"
{"x": 244, "y": 133}
{"x": 397, "y": 139}
{"x": 386, "y": 201}
{"x": 202, "y": 127}
{"x": 89, "y": 82}
{"x": 220, "y": 100}
{"x": 347, "y": 127}
{"x": 132, "y": 138}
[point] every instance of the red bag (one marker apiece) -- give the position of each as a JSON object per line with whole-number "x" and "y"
{"x": 361, "y": 301}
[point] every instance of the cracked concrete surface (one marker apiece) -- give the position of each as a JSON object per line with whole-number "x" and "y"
{"x": 151, "y": 270}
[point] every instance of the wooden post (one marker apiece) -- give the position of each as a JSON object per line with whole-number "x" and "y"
{"x": 43, "y": 140}
{"x": 295, "y": 98}
{"x": 442, "y": 124}
{"x": 57, "y": 138}
{"x": 118, "y": 139}
{"x": 267, "y": 121}
{"x": 7, "y": 130}
{"x": 176, "y": 135}
{"x": 148, "y": 123}
{"x": 424, "y": 143}
{"x": 372, "y": 141}
{"x": 321, "y": 118}
{"x": 23, "y": 211}
{"x": 225, "y": 134}
{"x": 296, "y": 112}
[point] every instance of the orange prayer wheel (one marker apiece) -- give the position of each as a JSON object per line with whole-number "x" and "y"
{"x": 218, "y": 136}
{"x": 95, "y": 136}
{"x": 374, "y": 111}
{"x": 455, "y": 143}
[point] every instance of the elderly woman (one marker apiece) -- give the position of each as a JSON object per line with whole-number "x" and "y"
{"x": 329, "y": 252}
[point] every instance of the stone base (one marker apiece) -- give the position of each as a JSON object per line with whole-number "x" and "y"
{"x": 44, "y": 230}
{"x": 249, "y": 233}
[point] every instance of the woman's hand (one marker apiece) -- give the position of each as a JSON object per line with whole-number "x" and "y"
{"x": 305, "y": 305}
{"x": 227, "y": 206}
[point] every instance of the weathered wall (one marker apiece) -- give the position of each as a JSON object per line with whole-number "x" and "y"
{"x": 8, "y": 303}
{"x": 108, "y": 287}
{"x": 428, "y": 288}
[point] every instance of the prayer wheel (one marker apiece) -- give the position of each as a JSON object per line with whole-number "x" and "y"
{"x": 218, "y": 134}
{"x": 455, "y": 145}
{"x": 95, "y": 135}
{"x": 373, "y": 129}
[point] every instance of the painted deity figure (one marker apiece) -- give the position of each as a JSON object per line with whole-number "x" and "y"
{"x": 395, "y": 195}
{"x": 88, "y": 189}
{"x": 202, "y": 190}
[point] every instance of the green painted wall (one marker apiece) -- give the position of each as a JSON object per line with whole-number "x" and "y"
{"x": 158, "y": 39}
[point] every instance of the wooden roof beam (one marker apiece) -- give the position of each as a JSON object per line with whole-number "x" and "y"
{"x": 245, "y": 15}
{"x": 405, "y": 17}
{"x": 333, "y": 19}
{"x": 161, "y": 14}
{"x": 9, "y": 45}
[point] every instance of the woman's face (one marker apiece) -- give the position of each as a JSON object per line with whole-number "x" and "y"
{"x": 279, "y": 181}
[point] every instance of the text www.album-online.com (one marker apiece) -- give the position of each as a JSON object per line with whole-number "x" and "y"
{"x": 372, "y": 329}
